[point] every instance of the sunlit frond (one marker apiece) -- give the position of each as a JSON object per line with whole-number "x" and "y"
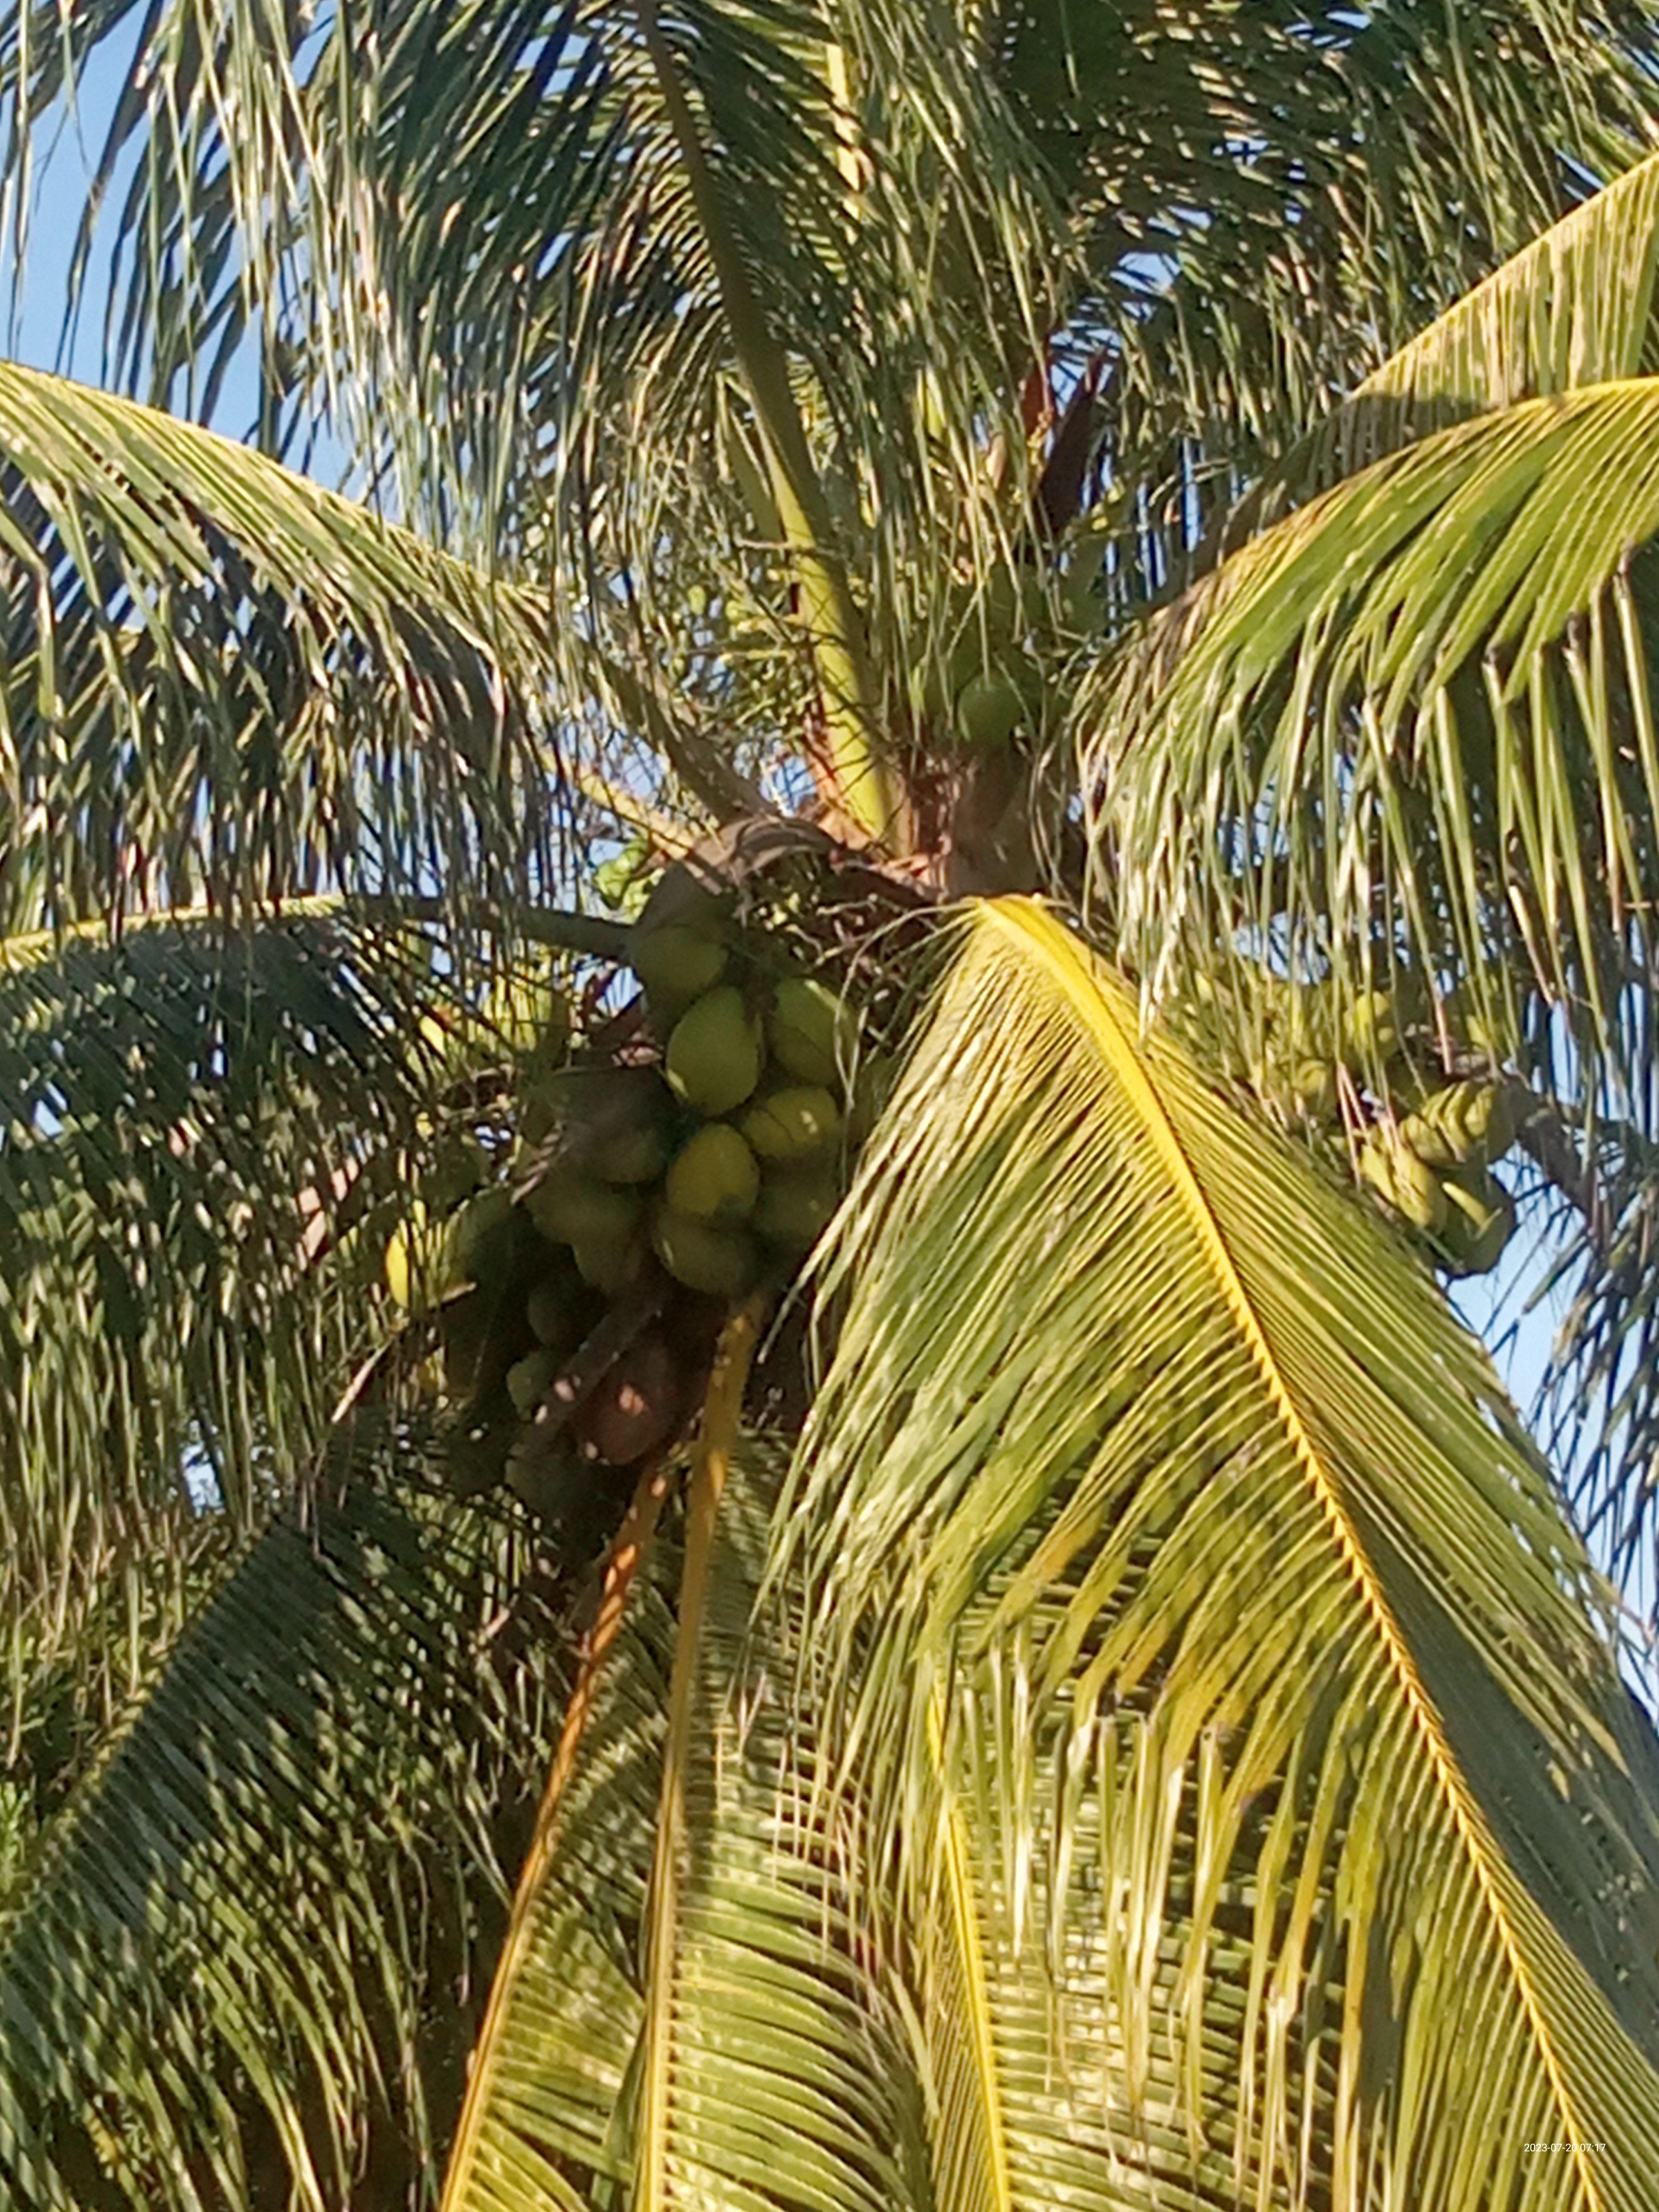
{"x": 1574, "y": 308}
{"x": 1202, "y": 1618}
{"x": 690, "y": 2015}
{"x": 1283, "y": 195}
{"x": 218, "y": 681}
{"x": 1410, "y": 728}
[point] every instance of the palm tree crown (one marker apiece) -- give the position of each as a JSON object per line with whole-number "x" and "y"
{"x": 733, "y": 1469}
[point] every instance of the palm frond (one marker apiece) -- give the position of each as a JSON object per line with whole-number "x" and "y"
{"x": 933, "y": 219}
{"x": 219, "y": 682}
{"x": 203, "y": 1126}
{"x": 1204, "y": 1615}
{"x": 1598, "y": 1399}
{"x": 1574, "y": 308}
{"x": 246, "y": 1958}
{"x": 1282, "y": 197}
{"x": 1408, "y": 732}
{"x": 691, "y": 2016}
{"x": 546, "y": 353}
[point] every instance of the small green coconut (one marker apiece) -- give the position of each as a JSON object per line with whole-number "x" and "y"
{"x": 792, "y": 1123}
{"x": 1478, "y": 1222}
{"x": 528, "y": 1379}
{"x": 627, "y": 1136}
{"x": 989, "y": 709}
{"x": 567, "y": 1207}
{"x": 811, "y": 1031}
{"x": 483, "y": 1236}
{"x": 793, "y": 1211}
{"x": 713, "y": 1057}
{"x": 609, "y": 1266}
{"x": 677, "y": 962}
{"x": 718, "y": 1259}
{"x": 715, "y": 1176}
{"x": 1373, "y": 1030}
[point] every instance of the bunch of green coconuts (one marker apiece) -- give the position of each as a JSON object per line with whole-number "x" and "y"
{"x": 1428, "y": 1149}
{"x": 674, "y": 1161}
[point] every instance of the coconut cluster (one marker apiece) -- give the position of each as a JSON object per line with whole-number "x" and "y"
{"x": 680, "y": 1156}
{"x": 1426, "y": 1149}
{"x": 1433, "y": 1168}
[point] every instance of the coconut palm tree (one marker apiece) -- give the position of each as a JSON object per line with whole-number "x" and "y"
{"x": 1109, "y": 550}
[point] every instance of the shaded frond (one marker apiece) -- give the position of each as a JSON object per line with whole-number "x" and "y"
{"x": 1202, "y": 1615}
{"x": 201, "y": 1128}
{"x": 1598, "y": 1400}
{"x": 248, "y": 1951}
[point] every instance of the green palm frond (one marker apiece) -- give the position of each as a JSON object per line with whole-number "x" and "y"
{"x": 1598, "y": 1399}
{"x": 219, "y": 682}
{"x": 1204, "y": 1613}
{"x": 1409, "y": 730}
{"x": 248, "y": 1950}
{"x": 649, "y": 221}
{"x": 1574, "y": 308}
{"x": 203, "y": 1127}
{"x": 1281, "y": 195}
{"x": 691, "y": 2016}
{"x": 851, "y": 239}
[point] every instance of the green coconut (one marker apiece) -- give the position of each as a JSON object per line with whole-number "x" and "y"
{"x": 714, "y": 1175}
{"x": 792, "y": 1123}
{"x": 1408, "y": 1184}
{"x": 1478, "y": 1223}
{"x": 717, "y": 1258}
{"x": 793, "y": 1211}
{"x": 1431, "y": 1142}
{"x": 713, "y": 1057}
{"x": 811, "y": 1031}
{"x": 613, "y": 1121}
{"x": 607, "y": 1265}
{"x": 989, "y": 709}
{"x": 539, "y": 1110}
{"x": 677, "y": 962}
{"x": 530, "y": 1379}
{"x": 1373, "y": 1028}
{"x": 568, "y": 1207}
{"x": 1314, "y": 1083}
{"x": 628, "y": 1138}
{"x": 484, "y": 1236}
